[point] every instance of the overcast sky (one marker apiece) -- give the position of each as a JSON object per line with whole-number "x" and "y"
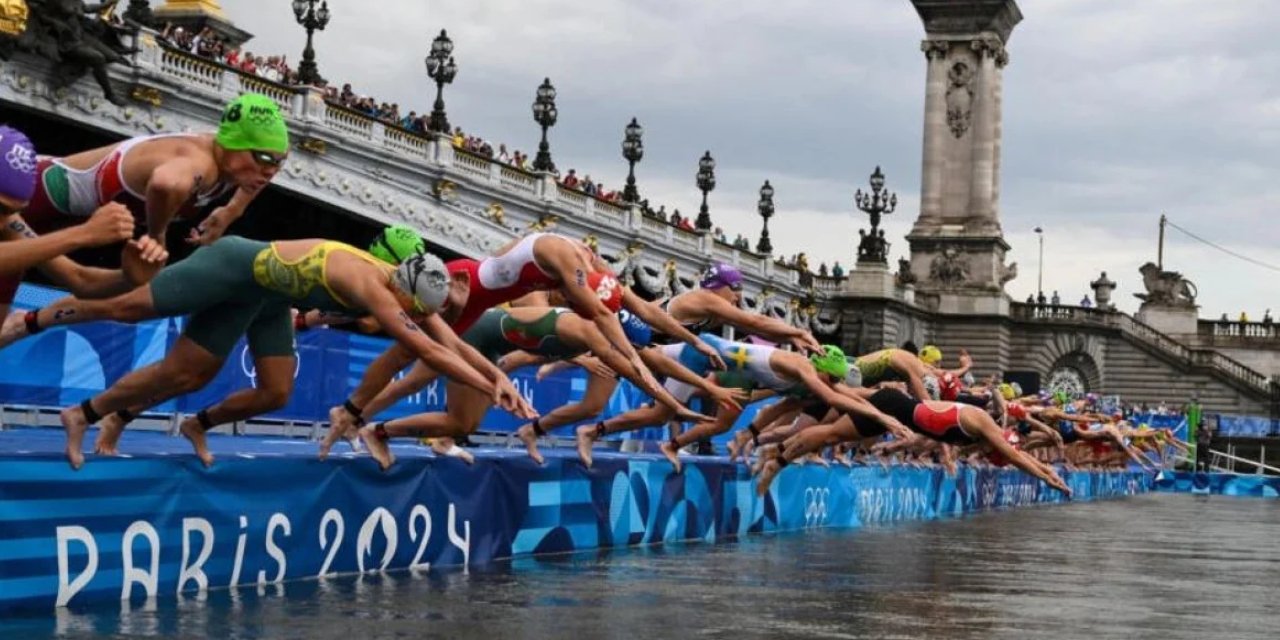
{"x": 1114, "y": 112}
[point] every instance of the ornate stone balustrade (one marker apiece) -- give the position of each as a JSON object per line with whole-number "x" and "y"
{"x": 1238, "y": 331}
{"x": 464, "y": 202}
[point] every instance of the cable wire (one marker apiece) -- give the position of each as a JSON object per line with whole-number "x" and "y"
{"x": 1222, "y": 248}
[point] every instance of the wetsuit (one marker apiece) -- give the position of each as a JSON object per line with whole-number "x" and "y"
{"x": 943, "y": 426}
{"x": 498, "y": 333}
{"x": 748, "y": 366}
{"x": 500, "y": 279}
{"x": 237, "y": 286}
{"x": 65, "y": 197}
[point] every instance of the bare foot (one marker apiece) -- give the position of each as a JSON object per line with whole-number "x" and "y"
{"x": 377, "y": 447}
{"x": 530, "y": 440}
{"x": 340, "y": 423}
{"x": 193, "y": 432}
{"x": 767, "y": 474}
{"x": 13, "y": 329}
{"x": 737, "y": 443}
{"x": 669, "y": 450}
{"x": 586, "y": 437}
{"x": 817, "y": 458}
{"x": 767, "y": 453}
{"x": 110, "y": 429}
{"x": 74, "y": 422}
{"x": 446, "y": 447}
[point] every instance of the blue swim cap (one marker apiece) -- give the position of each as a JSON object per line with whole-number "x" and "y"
{"x": 638, "y": 332}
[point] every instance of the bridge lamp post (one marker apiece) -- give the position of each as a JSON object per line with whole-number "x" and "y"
{"x": 545, "y": 114}
{"x": 1040, "y": 280}
{"x": 706, "y": 180}
{"x": 442, "y": 69}
{"x": 312, "y": 20}
{"x": 765, "y": 209}
{"x": 632, "y": 151}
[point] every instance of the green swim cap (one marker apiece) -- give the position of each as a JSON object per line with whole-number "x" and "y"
{"x": 396, "y": 243}
{"x": 253, "y": 122}
{"x": 831, "y": 362}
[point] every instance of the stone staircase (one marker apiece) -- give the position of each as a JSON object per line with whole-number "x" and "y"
{"x": 1115, "y": 353}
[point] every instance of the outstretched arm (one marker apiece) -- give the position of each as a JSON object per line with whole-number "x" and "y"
{"x": 662, "y": 364}
{"x": 761, "y": 325}
{"x": 29, "y": 249}
{"x": 662, "y": 321}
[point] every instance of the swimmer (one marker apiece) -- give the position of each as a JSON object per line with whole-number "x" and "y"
{"x": 237, "y": 287}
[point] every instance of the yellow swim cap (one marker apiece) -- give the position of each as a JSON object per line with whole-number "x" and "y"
{"x": 931, "y": 355}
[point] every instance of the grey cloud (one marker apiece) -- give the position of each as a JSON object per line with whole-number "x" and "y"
{"x": 1114, "y": 111}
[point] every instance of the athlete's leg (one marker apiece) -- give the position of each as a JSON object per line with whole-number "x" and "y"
{"x": 466, "y": 407}
{"x": 599, "y": 389}
{"x": 342, "y": 424}
{"x": 379, "y": 373}
{"x": 648, "y": 415}
{"x": 723, "y": 422}
{"x": 186, "y": 368}
{"x": 273, "y": 388}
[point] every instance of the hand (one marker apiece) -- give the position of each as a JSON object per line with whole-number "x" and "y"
{"x": 807, "y": 343}
{"x": 111, "y": 223}
{"x": 510, "y": 400}
{"x": 596, "y": 367}
{"x": 899, "y": 430}
{"x": 1055, "y": 481}
{"x": 728, "y": 398}
{"x": 710, "y": 352}
{"x": 648, "y": 382}
{"x": 210, "y": 230}
{"x": 142, "y": 259}
{"x": 543, "y": 371}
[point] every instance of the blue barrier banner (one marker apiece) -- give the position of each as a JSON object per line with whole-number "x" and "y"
{"x": 267, "y": 511}
{"x": 1226, "y": 484}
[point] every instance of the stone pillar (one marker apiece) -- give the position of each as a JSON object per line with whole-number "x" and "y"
{"x": 935, "y": 126}
{"x": 983, "y": 146}
{"x": 957, "y": 248}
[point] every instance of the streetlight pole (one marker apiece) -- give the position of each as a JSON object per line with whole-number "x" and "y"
{"x": 545, "y": 114}
{"x": 441, "y": 68}
{"x": 706, "y": 180}
{"x": 312, "y": 20}
{"x": 632, "y": 151}
{"x": 765, "y": 209}
{"x": 1040, "y": 281}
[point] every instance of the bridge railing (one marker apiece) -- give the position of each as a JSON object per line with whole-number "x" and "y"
{"x": 1239, "y": 330}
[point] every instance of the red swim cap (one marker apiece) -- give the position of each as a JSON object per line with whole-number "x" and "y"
{"x": 1017, "y": 411}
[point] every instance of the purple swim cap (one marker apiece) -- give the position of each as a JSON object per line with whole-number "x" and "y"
{"x": 722, "y": 275}
{"x": 17, "y": 164}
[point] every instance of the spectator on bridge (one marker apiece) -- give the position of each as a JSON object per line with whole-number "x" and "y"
{"x": 822, "y": 269}
{"x": 1266, "y": 318}
{"x": 571, "y": 179}
{"x": 686, "y": 224}
{"x": 837, "y": 271}
{"x": 1055, "y": 300}
{"x": 1041, "y": 300}
{"x": 719, "y": 236}
{"x": 1086, "y": 302}
{"x": 676, "y": 217}
{"x": 588, "y": 185}
{"x": 1031, "y": 298}
{"x": 1244, "y": 317}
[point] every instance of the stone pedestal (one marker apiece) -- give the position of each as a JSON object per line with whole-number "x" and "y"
{"x": 871, "y": 280}
{"x": 1170, "y": 320}
{"x": 957, "y": 246}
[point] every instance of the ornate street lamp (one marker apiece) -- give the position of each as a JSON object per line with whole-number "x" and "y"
{"x": 545, "y": 114}
{"x": 442, "y": 69}
{"x": 765, "y": 209}
{"x": 873, "y": 247}
{"x": 706, "y": 182}
{"x": 312, "y": 20}
{"x": 632, "y": 151}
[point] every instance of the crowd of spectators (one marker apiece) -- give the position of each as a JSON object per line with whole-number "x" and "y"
{"x": 209, "y": 45}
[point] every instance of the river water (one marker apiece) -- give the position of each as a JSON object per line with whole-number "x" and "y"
{"x": 1159, "y": 566}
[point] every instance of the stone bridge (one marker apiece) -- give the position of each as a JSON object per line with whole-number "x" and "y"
{"x": 465, "y": 203}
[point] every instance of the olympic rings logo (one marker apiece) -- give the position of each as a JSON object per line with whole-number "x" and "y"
{"x": 251, "y": 372}
{"x": 815, "y": 506}
{"x": 21, "y": 159}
